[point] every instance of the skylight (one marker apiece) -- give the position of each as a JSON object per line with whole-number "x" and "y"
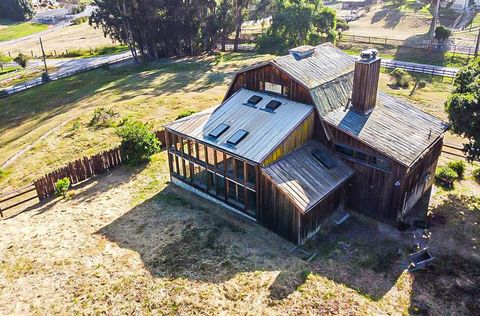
{"x": 237, "y": 137}
{"x": 219, "y": 130}
{"x": 323, "y": 158}
{"x": 273, "y": 105}
{"x": 254, "y": 99}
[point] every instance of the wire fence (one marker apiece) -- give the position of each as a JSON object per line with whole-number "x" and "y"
{"x": 62, "y": 74}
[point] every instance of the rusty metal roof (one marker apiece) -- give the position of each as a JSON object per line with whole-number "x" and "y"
{"x": 305, "y": 180}
{"x": 395, "y": 128}
{"x": 266, "y": 129}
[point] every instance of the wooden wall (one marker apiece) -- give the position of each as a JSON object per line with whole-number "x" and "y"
{"x": 297, "y": 138}
{"x": 251, "y": 79}
{"x": 280, "y": 215}
{"x": 373, "y": 191}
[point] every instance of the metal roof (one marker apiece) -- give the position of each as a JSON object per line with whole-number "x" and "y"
{"x": 303, "y": 179}
{"x": 326, "y": 63}
{"x": 266, "y": 129}
{"x": 394, "y": 127}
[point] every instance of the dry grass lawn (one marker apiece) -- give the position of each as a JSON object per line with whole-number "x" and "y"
{"x": 129, "y": 242}
{"x": 70, "y": 37}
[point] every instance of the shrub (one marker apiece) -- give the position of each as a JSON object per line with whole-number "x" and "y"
{"x": 3, "y": 174}
{"x": 62, "y": 186}
{"x": 45, "y": 77}
{"x": 459, "y": 167}
{"x": 342, "y": 25}
{"x": 78, "y": 8}
{"x": 442, "y": 33}
{"x": 21, "y": 60}
{"x": 185, "y": 114}
{"x": 476, "y": 175}
{"x": 138, "y": 142}
{"x": 445, "y": 176}
{"x": 80, "y": 20}
{"x": 402, "y": 77}
{"x": 103, "y": 118}
{"x": 421, "y": 84}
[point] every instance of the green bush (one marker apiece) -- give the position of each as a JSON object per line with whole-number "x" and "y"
{"x": 103, "y": 118}
{"x": 422, "y": 84}
{"x": 78, "y": 8}
{"x": 62, "y": 186}
{"x": 21, "y": 60}
{"x": 185, "y": 114}
{"x": 459, "y": 167}
{"x": 445, "y": 176}
{"x": 80, "y": 20}
{"x": 3, "y": 174}
{"x": 402, "y": 77}
{"x": 342, "y": 25}
{"x": 476, "y": 175}
{"x": 138, "y": 142}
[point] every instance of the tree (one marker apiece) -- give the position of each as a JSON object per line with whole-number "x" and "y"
{"x": 21, "y": 60}
{"x": 442, "y": 33}
{"x": 16, "y": 9}
{"x": 298, "y": 22}
{"x": 463, "y": 108}
{"x": 4, "y": 59}
{"x": 158, "y": 28}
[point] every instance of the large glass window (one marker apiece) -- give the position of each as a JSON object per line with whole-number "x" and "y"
{"x": 210, "y": 156}
{"x": 239, "y": 170}
{"x": 211, "y": 183}
{"x": 251, "y": 206}
{"x": 200, "y": 176}
{"x": 230, "y": 167}
{"x": 251, "y": 175}
{"x": 201, "y": 152}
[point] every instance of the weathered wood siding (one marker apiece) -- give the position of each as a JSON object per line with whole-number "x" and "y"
{"x": 280, "y": 215}
{"x": 420, "y": 178}
{"x": 297, "y": 138}
{"x": 251, "y": 79}
{"x": 373, "y": 191}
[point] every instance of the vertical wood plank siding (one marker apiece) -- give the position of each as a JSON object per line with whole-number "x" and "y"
{"x": 373, "y": 191}
{"x": 268, "y": 73}
{"x": 365, "y": 85}
{"x": 297, "y": 138}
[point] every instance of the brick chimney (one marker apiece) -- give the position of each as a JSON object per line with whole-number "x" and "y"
{"x": 365, "y": 81}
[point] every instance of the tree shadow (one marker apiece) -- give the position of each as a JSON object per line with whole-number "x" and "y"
{"x": 450, "y": 285}
{"x": 179, "y": 235}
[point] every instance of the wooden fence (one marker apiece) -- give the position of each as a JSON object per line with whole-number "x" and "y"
{"x": 77, "y": 171}
{"x": 16, "y": 198}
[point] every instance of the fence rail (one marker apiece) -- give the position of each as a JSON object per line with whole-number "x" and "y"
{"x": 60, "y": 74}
{"x": 14, "y": 197}
{"x": 420, "y": 69}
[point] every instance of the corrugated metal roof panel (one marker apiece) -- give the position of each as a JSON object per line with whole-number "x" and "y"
{"x": 394, "y": 127}
{"x": 266, "y": 129}
{"x": 303, "y": 179}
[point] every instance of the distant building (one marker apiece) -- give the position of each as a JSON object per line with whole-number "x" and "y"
{"x": 355, "y": 4}
{"x": 300, "y": 138}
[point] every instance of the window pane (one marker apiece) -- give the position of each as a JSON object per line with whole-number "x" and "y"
{"x": 251, "y": 203}
{"x": 174, "y": 165}
{"x": 187, "y": 169}
{"x": 221, "y": 187}
{"x": 239, "y": 170}
{"x": 361, "y": 156}
{"x": 251, "y": 175}
{"x": 211, "y": 183}
{"x": 178, "y": 143}
{"x": 344, "y": 150}
{"x": 273, "y": 87}
{"x": 220, "y": 160}
{"x": 210, "y": 155}
{"x": 229, "y": 170}
{"x": 200, "y": 176}
{"x": 201, "y": 152}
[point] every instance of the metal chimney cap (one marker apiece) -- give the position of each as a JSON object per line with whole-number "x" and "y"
{"x": 369, "y": 54}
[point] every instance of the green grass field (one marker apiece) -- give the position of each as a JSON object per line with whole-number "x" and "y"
{"x": 10, "y": 30}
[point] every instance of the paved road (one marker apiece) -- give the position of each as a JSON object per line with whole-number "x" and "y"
{"x": 65, "y": 67}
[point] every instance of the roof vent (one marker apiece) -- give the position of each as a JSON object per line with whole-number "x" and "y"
{"x": 254, "y": 99}
{"x": 323, "y": 158}
{"x": 301, "y": 52}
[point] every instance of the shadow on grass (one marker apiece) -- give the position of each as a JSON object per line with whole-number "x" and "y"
{"x": 179, "y": 235}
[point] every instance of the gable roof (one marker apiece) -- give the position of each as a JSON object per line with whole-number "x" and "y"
{"x": 394, "y": 128}
{"x": 325, "y": 64}
{"x": 266, "y": 129}
{"x": 303, "y": 179}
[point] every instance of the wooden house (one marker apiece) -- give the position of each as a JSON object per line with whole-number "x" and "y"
{"x": 306, "y": 135}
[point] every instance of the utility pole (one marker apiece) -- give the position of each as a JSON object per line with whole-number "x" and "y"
{"x": 43, "y": 54}
{"x": 434, "y": 21}
{"x": 477, "y": 46}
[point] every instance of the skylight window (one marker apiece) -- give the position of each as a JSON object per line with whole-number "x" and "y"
{"x": 324, "y": 159}
{"x": 219, "y": 130}
{"x": 254, "y": 99}
{"x": 273, "y": 105}
{"x": 237, "y": 137}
